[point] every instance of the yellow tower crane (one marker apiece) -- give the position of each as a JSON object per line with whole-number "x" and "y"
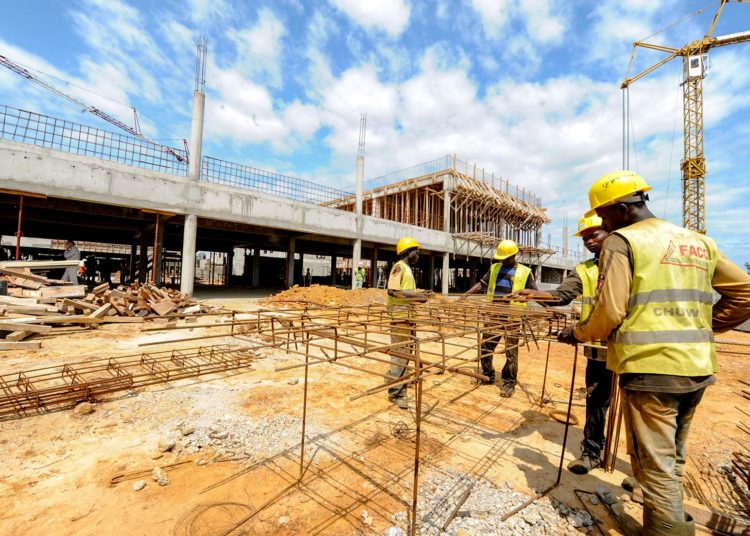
{"x": 693, "y": 165}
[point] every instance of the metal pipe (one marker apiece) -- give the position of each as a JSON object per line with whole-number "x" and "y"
{"x": 18, "y": 232}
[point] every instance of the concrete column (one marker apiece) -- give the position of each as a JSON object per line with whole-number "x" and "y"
{"x": 143, "y": 258}
{"x": 565, "y": 242}
{"x": 190, "y": 230}
{"x": 189, "y": 235}
{"x": 290, "y": 263}
{"x": 357, "y": 250}
{"x": 333, "y": 269}
{"x": 472, "y": 272}
{"x": 445, "y": 280}
{"x": 256, "y": 268}
{"x": 158, "y": 252}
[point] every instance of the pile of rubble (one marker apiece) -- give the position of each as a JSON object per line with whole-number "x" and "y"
{"x": 483, "y": 510}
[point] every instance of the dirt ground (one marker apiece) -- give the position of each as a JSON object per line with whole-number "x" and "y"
{"x": 242, "y": 456}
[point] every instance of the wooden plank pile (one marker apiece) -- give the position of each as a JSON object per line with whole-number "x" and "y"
{"x": 37, "y": 305}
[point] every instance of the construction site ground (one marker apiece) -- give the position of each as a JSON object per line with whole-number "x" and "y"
{"x": 237, "y": 440}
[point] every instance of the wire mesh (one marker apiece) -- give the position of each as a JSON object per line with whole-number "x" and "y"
{"x": 242, "y": 176}
{"x": 61, "y": 135}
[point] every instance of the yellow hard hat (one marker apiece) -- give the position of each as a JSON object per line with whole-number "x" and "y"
{"x": 613, "y": 187}
{"x": 505, "y": 249}
{"x": 405, "y": 243}
{"x": 586, "y": 223}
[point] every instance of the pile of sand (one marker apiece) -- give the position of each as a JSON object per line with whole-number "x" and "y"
{"x": 325, "y": 295}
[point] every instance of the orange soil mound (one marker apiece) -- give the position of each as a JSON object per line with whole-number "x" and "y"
{"x": 326, "y": 295}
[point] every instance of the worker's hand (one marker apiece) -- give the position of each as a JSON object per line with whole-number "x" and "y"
{"x": 567, "y": 336}
{"x": 523, "y": 295}
{"x": 421, "y": 296}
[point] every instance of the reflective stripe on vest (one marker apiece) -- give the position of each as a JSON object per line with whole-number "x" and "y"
{"x": 407, "y": 283}
{"x": 519, "y": 281}
{"x": 667, "y": 329}
{"x": 588, "y": 271}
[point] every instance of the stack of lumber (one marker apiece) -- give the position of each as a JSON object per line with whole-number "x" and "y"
{"x": 36, "y": 304}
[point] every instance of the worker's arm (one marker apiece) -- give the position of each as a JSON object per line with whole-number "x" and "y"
{"x": 480, "y": 285}
{"x": 569, "y": 289}
{"x": 612, "y": 294}
{"x": 733, "y": 283}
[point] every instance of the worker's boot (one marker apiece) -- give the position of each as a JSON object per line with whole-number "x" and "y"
{"x": 585, "y": 463}
{"x": 399, "y": 401}
{"x": 655, "y": 524}
{"x": 507, "y": 390}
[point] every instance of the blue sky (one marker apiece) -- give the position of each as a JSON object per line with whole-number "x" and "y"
{"x": 528, "y": 90}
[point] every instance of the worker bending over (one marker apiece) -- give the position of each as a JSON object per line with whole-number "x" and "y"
{"x": 654, "y": 304}
{"x": 502, "y": 279}
{"x": 582, "y": 282}
{"x": 402, "y": 293}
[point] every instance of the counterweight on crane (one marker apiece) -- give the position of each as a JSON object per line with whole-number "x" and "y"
{"x": 135, "y": 131}
{"x": 693, "y": 165}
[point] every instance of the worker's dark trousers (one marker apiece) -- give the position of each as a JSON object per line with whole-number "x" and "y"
{"x": 598, "y": 396}
{"x": 509, "y": 373}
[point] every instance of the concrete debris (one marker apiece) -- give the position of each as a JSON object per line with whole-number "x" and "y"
{"x": 166, "y": 445}
{"x": 295, "y": 381}
{"x": 138, "y": 485}
{"x": 187, "y": 430}
{"x": 606, "y": 496}
{"x": 486, "y": 505}
{"x": 160, "y": 476}
{"x": 394, "y": 531}
{"x": 84, "y": 408}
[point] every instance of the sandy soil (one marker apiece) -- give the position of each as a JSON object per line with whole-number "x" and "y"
{"x": 244, "y": 452}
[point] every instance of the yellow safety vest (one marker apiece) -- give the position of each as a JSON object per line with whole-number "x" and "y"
{"x": 667, "y": 329}
{"x": 400, "y": 306}
{"x": 519, "y": 281}
{"x": 588, "y": 271}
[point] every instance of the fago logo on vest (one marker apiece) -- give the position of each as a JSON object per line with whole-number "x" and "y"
{"x": 687, "y": 255}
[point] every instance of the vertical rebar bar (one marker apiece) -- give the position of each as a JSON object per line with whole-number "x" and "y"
{"x": 418, "y": 418}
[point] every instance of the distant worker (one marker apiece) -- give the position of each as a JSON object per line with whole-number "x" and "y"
{"x": 359, "y": 276}
{"x": 502, "y": 279}
{"x": 654, "y": 304}
{"x": 71, "y": 253}
{"x": 308, "y": 278}
{"x": 582, "y": 282}
{"x": 402, "y": 293}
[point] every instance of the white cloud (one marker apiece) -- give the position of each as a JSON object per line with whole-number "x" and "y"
{"x": 542, "y": 26}
{"x": 390, "y": 16}
{"x": 203, "y": 11}
{"x": 494, "y": 13}
{"x": 259, "y": 47}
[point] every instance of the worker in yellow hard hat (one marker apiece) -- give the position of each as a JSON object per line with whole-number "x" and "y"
{"x": 655, "y": 306}
{"x": 503, "y": 278}
{"x": 402, "y": 294}
{"x": 582, "y": 282}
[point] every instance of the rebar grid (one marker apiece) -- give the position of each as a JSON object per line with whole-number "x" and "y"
{"x": 49, "y": 388}
{"x": 438, "y": 337}
{"x": 54, "y": 133}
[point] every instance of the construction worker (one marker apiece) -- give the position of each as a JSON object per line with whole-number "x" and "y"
{"x": 402, "y": 293}
{"x": 359, "y": 276}
{"x": 71, "y": 253}
{"x": 503, "y": 278}
{"x": 654, "y": 304}
{"x": 582, "y": 282}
